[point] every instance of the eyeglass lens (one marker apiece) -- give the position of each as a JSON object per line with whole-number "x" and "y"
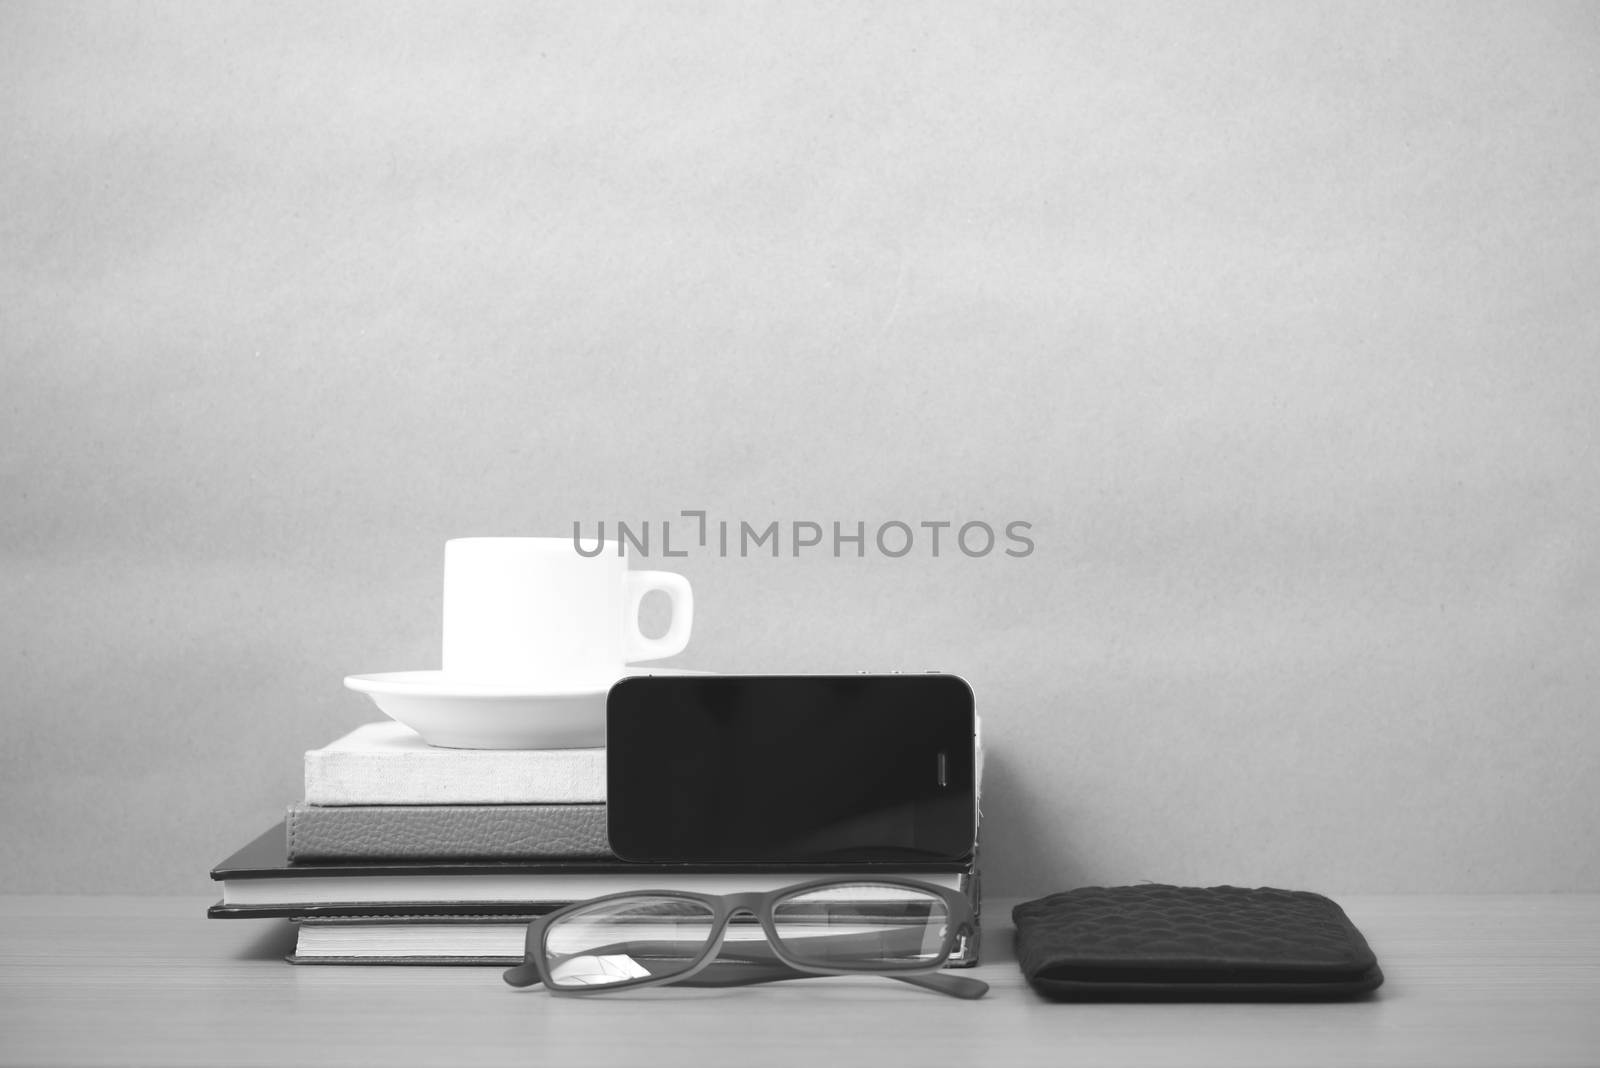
{"x": 861, "y": 925}
{"x": 630, "y": 938}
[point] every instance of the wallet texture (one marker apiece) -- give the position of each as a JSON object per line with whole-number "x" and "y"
{"x": 1163, "y": 943}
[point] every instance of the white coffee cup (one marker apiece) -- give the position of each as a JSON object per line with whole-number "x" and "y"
{"x": 535, "y": 613}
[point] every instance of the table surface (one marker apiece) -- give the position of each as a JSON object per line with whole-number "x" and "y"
{"x": 1471, "y": 980}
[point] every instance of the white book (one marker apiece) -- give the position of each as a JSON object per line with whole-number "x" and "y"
{"x": 470, "y": 939}
{"x": 389, "y": 764}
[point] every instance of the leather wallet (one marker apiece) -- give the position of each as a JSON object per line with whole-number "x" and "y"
{"x": 1191, "y": 943}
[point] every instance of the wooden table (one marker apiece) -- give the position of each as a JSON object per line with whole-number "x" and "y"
{"x": 1472, "y": 980}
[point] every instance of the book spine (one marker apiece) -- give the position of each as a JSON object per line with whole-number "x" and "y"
{"x": 456, "y": 777}
{"x": 446, "y": 832}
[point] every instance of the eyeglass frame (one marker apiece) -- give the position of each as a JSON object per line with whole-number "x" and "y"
{"x": 960, "y": 922}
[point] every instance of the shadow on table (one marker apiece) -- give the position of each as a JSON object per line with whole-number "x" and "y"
{"x": 274, "y": 941}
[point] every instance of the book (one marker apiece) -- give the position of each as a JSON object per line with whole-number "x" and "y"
{"x": 389, "y": 764}
{"x": 259, "y": 880}
{"x": 443, "y": 832}
{"x": 464, "y": 939}
{"x": 411, "y": 939}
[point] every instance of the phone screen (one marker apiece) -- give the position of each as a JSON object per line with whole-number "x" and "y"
{"x": 791, "y": 768}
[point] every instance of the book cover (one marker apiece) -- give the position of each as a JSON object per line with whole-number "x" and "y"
{"x": 260, "y": 880}
{"x": 389, "y": 764}
{"x": 445, "y": 832}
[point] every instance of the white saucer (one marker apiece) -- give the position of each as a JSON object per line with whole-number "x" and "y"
{"x": 462, "y": 715}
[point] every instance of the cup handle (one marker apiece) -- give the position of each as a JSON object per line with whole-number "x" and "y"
{"x": 673, "y": 642}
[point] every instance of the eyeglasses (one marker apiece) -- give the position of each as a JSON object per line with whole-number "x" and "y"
{"x": 897, "y": 928}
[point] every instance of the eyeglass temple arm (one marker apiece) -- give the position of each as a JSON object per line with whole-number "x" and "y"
{"x": 756, "y": 963}
{"x": 732, "y": 973}
{"x": 524, "y": 974}
{"x": 747, "y": 957}
{"x": 957, "y": 986}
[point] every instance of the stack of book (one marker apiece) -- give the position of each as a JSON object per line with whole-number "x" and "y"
{"x": 405, "y": 853}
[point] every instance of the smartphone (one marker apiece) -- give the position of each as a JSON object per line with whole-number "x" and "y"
{"x": 791, "y": 768}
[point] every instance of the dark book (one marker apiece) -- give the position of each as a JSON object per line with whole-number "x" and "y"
{"x": 260, "y": 880}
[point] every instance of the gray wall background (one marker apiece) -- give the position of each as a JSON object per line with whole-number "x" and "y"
{"x": 1279, "y": 323}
